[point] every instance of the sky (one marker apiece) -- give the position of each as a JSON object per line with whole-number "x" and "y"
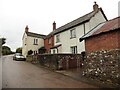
{"x": 40, "y": 14}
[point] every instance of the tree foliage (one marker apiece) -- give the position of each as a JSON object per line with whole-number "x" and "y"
{"x": 30, "y": 52}
{"x": 19, "y": 50}
{"x": 6, "y": 50}
{"x": 3, "y": 41}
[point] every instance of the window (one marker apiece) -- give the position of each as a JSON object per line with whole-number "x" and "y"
{"x": 74, "y": 49}
{"x": 72, "y": 33}
{"x": 57, "y": 38}
{"x": 53, "y": 51}
{"x": 49, "y": 41}
{"x": 35, "y": 52}
{"x": 35, "y": 42}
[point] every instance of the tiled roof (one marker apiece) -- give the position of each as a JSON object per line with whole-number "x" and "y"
{"x": 75, "y": 22}
{"x": 56, "y": 46}
{"x": 110, "y": 25}
{"x": 49, "y": 35}
{"x": 78, "y": 21}
{"x": 103, "y": 27}
{"x": 35, "y": 35}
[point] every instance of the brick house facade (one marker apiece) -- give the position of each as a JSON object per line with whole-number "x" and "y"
{"x": 105, "y": 41}
{"x": 49, "y": 40}
{"x": 49, "y": 43}
{"x": 105, "y": 37}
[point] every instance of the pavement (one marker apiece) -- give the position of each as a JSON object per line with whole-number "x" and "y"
{"x": 76, "y": 74}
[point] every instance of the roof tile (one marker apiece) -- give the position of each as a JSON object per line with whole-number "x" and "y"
{"x": 35, "y": 35}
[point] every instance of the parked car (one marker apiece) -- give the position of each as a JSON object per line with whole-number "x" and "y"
{"x": 19, "y": 57}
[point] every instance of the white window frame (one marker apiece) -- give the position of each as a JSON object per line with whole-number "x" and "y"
{"x": 54, "y": 51}
{"x": 73, "y": 33}
{"x": 73, "y": 49}
{"x": 57, "y": 38}
{"x": 35, "y": 41}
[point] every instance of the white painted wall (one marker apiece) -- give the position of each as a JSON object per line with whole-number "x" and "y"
{"x": 65, "y": 40}
{"x": 97, "y": 19}
{"x": 24, "y": 47}
{"x": 30, "y": 44}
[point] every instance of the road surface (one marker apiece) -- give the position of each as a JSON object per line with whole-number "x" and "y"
{"x": 21, "y": 74}
{"x": 0, "y": 73}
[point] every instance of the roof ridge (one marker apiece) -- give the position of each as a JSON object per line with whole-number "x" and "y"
{"x": 107, "y": 27}
{"x": 36, "y": 33}
{"x": 76, "y": 19}
{"x": 76, "y": 22}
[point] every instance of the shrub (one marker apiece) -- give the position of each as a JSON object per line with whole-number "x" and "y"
{"x": 30, "y": 52}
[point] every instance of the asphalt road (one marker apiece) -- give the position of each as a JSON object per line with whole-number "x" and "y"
{"x": 21, "y": 74}
{"x": 0, "y": 73}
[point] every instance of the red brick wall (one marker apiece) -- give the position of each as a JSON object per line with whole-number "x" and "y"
{"x": 47, "y": 45}
{"x": 106, "y": 41}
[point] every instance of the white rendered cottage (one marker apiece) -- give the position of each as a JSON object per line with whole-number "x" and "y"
{"x": 31, "y": 41}
{"x": 66, "y": 38}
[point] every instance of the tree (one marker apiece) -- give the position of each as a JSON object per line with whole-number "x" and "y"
{"x": 41, "y": 50}
{"x": 30, "y": 52}
{"x": 19, "y": 50}
{"x": 6, "y": 50}
{"x": 3, "y": 41}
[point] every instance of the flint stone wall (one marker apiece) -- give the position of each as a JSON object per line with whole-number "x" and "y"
{"x": 103, "y": 65}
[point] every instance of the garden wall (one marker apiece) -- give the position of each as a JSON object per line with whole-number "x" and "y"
{"x": 103, "y": 66}
{"x": 56, "y": 61}
{"x": 60, "y": 61}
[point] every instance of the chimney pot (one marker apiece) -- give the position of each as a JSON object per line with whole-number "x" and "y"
{"x": 54, "y": 26}
{"x": 95, "y": 7}
{"x": 26, "y": 28}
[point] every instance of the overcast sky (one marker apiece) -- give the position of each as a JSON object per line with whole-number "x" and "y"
{"x": 40, "y": 14}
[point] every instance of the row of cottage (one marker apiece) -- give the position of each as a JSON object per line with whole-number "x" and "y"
{"x": 91, "y": 32}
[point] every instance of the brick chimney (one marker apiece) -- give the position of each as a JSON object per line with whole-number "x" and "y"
{"x": 54, "y": 26}
{"x": 26, "y": 28}
{"x": 95, "y": 7}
